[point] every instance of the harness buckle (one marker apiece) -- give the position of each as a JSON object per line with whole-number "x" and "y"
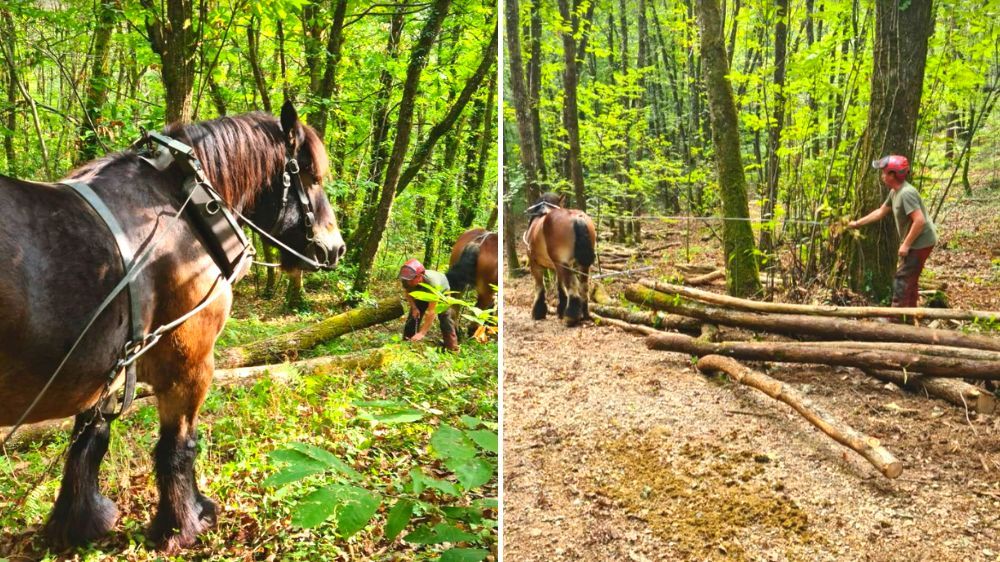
{"x": 286, "y": 180}
{"x": 292, "y": 165}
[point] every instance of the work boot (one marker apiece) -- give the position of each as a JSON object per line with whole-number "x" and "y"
{"x": 451, "y": 340}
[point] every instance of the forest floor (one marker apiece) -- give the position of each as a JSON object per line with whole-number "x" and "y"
{"x": 616, "y": 452}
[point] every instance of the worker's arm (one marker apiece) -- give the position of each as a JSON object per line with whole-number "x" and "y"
{"x": 414, "y": 311}
{"x": 876, "y": 215}
{"x": 429, "y": 316}
{"x": 916, "y": 228}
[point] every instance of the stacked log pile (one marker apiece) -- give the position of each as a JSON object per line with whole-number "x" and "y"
{"x": 924, "y": 360}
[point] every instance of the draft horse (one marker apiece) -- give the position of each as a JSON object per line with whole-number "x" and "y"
{"x": 561, "y": 240}
{"x": 474, "y": 263}
{"x": 63, "y": 260}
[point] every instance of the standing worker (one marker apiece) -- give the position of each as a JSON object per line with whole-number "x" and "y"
{"x": 916, "y": 231}
{"x": 422, "y": 313}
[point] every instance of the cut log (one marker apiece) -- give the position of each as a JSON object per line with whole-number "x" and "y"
{"x": 695, "y": 268}
{"x": 959, "y": 393}
{"x": 818, "y": 310}
{"x": 319, "y": 366}
{"x": 707, "y": 278}
{"x": 797, "y": 325}
{"x": 833, "y": 353}
{"x": 653, "y": 319}
{"x": 599, "y": 295}
{"x": 287, "y": 346}
{"x": 867, "y": 447}
{"x": 636, "y": 329}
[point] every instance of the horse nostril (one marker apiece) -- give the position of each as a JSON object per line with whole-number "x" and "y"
{"x": 341, "y": 251}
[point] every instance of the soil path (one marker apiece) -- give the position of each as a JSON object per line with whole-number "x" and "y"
{"x": 615, "y": 452}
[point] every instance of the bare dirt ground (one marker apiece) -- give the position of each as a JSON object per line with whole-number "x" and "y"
{"x": 616, "y": 452}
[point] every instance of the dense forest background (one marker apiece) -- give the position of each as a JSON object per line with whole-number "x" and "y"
{"x": 607, "y": 101}
{"x": 402, "y": 93}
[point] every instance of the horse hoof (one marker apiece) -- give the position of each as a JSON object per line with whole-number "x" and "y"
{"x": 570, "y": 322}
{"x": 539, "y": 311}
{"x": 209, "y": 512}
{"x": 171, "y": 537}
{"x": 82, "y": 524}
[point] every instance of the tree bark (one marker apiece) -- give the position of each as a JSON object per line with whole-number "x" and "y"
{"x": 404, "y": 124}
{"x": 901, "y": 37}
{"x": 867, "y": 447}
{"x": 655, "y": 320}
{"x": 833, "y": 353}
{"x": 773, "y": 169}
{"x": 288, "y": 346}
{"x": 571, "y": 113}
{"x": 173, "y": 36}
{"x": 820, "y": 310}
{"x": 797, "y": 325}
{"x": 528, "y": 152}
{"x": 477, "y": 158}
{"x": 97, "y": 85}
{"x": 737, "y": 236}
{"x": 534, "y": 89}
{"x": 10, "y": 120}
{"x": 253, "y": 57}
{"x": 326, "y": 88}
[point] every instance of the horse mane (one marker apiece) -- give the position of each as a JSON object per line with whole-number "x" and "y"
{"x": 240, "y": 155}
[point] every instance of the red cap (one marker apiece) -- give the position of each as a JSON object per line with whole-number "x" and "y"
{"x": 411, "y": 270}
{"x": 892, "y": 163}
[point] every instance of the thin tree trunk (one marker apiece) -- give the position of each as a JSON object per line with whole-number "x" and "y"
{"x": 97, "y": 86}
{"x": 326, "y": 89}
{"x": 738, "y": 241}
{"x": 174, "y": 37}
{"x": 10, "y": 121}
{"x": 404, "y": 124}
{"x": 534, "y": 87}
{"x": 528, "y": 151}
{"x": 253, "y": 57}
{"x": 571, "y": 112}
{"x": 773, "y": 170}
{"x": 477, "y": 158}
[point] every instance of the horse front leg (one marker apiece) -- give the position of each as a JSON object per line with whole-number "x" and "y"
{"x": 81, "y": 514}
{"x": 569, "y": 283}
{"x": 183, "y": 512}
{"x": 540, "y": 309}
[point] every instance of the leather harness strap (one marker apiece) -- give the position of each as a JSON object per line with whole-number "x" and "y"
{"x": 135, "y": 305}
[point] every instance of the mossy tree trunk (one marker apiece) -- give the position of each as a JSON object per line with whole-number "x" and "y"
{"x": 737, "y": 236}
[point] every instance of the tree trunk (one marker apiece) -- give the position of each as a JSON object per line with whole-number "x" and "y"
{"x": 253, "y": 57}
{"x": 174, "y": 37}
{"x": 656, "y": 320}
{"x": 867, "y": 447}
{"x": 796, "y": 325}
{"x": 528, "y": 152}
{"x": 97, "y": 86}
{"x": 10, "y": 120}
{"x": 326, "y": 88}
{"x": 288, "y": 346}
{"x": 534, "y": 88}
{"x": 820, "y": 310}
{"x": 738, "y": 241}
{"x": 477, "y": 158}
{"x": 959, "y": 393}
{"x": 901, "y": 37}
{"x": 773, "y": 170}
{"x": 571, "y": 113}
{"x": 510, "y": 262}
{"x": 404, "y": 124}
{"x": 836, "y": 353}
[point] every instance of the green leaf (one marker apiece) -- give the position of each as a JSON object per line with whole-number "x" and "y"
{"x": 291, "y": 474}
{"x": 308, "y": 455}
{"x": 472, "y": 473}
{"x": 471, "y": 422}
{"x": 399, "y": 517}
{"x": 486, "y": 439}
{"x": 440, "y": 533}
{"x": 464, "y": 555}
{"x": 392, "y": 412}
{"x": 424, "y": 296}
{"x": 467, "y": 514}
{"x": 357, "y": 507}
{"x": 421, "y": 482}
{"x": 314, "y": 508}
{"x": 450, "y": 443}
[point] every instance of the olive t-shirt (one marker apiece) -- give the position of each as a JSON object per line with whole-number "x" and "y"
{"x": 904, "y": 201}
{"x": 435, "y": 279}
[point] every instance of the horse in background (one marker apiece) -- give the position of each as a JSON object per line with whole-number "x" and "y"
{"x": 474, "y": 262}
{"x": 562, "y": 240}
{"x": 63, "y": 260}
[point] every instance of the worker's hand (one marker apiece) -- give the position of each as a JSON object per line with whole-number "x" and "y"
{"x": 903, "y": 250}
{"x": 853, "y": 224}
{"x": 418, "y": 336}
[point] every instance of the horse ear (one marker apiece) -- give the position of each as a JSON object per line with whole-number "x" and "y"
{"x": 562, "y": 200}
{"x": 289, "y": 119}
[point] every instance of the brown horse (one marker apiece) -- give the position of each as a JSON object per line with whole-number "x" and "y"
{"x": 62, "y": 261}
{"x": 474, "y": 262}
{"x": 562, "y": 240}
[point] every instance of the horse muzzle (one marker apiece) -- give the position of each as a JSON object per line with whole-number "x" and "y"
{"x": 329, "y": 247}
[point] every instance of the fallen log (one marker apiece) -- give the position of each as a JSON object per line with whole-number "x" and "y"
{"x": 287, "y": 346}
{"x": 959, "y": 393}
{"x": 834, "y": 353}
{"x": 653, "y": 319}
{"x": 707, "y": 278}
{"x": 867, "y": 447}
{"x": 797, "y": 325}
{"x": 695, "y": 268}
{"x": 637, "y": 329}
{"x": 319, "y": 366}
{"x": 819, "y": 310}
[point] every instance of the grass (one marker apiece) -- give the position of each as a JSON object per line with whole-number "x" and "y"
{"x": 242, "y": 426}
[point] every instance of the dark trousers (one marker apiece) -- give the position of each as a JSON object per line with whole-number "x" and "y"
{"x": 905, "y": 287}
{"x": 413, "y": 324}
